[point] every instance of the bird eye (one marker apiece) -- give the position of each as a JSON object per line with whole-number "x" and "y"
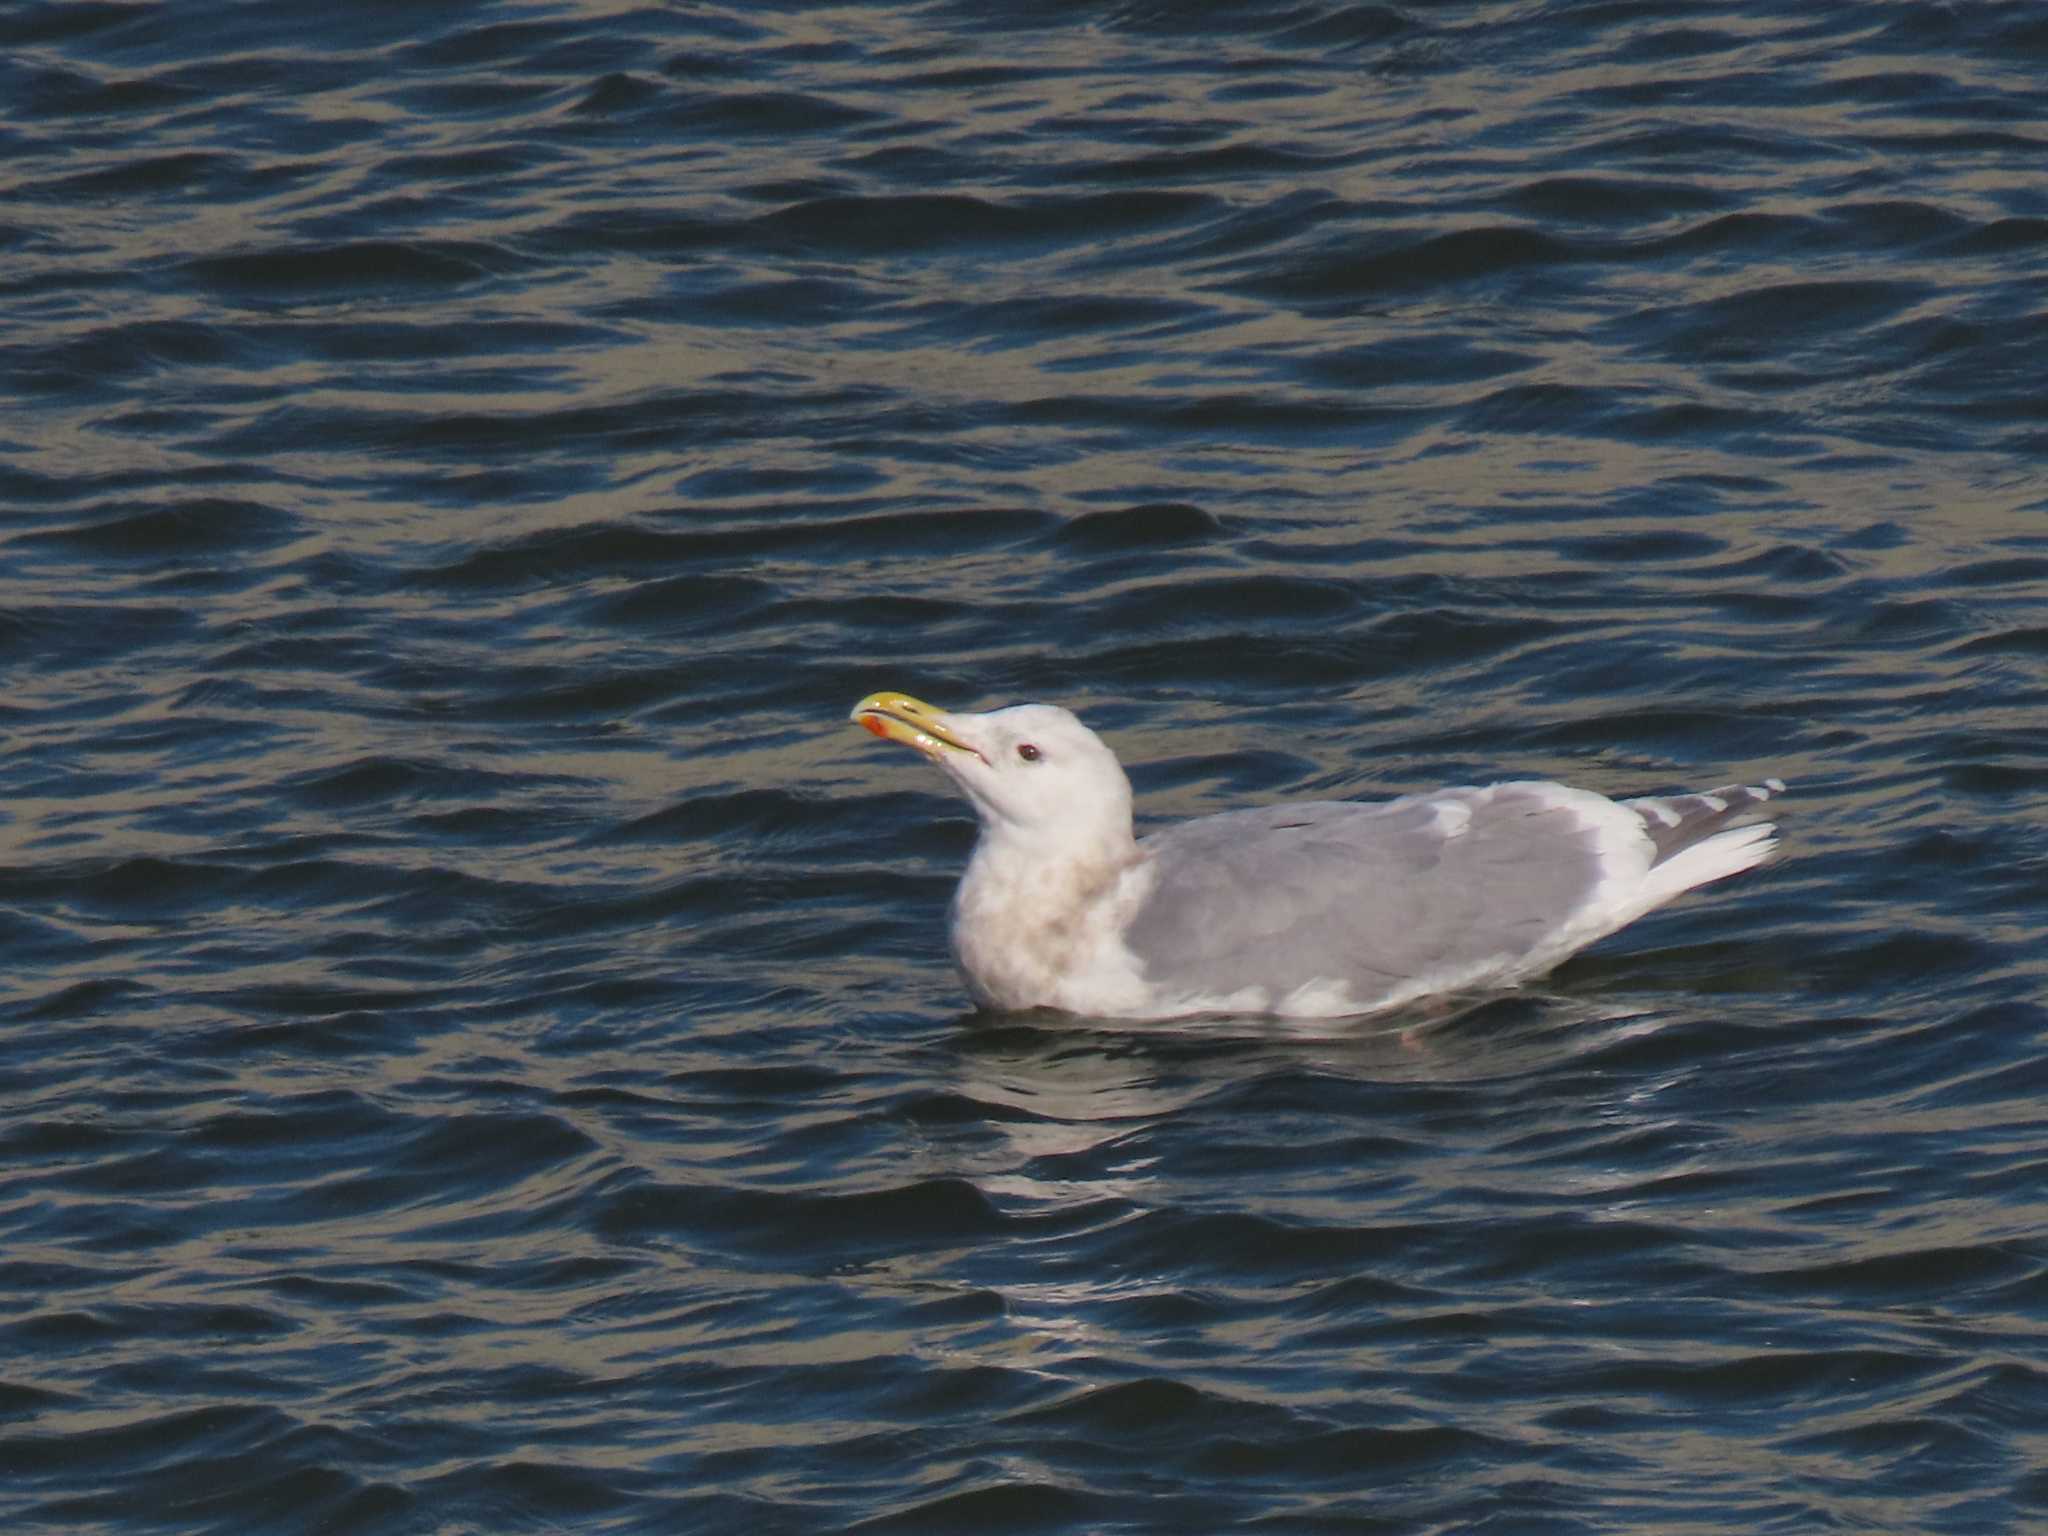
{"x": 1029, "y": 753}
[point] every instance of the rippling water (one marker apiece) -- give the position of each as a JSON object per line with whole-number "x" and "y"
{"x": 477, "y": 1044}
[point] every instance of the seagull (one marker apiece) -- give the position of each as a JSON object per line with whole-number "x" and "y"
{"x": 1310, "y": 909}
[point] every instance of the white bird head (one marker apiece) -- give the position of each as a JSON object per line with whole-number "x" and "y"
{"x": 1031, "y": 769}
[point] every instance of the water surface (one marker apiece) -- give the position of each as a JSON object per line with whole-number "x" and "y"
{"x": 477, "y": 1051}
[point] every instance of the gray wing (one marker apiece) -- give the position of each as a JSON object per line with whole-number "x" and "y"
{"x": 1372, "y": 895}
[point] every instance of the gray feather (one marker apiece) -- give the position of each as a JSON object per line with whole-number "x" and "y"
{"x": 1369, "y": 894}
{"x": 1676, "y": 822}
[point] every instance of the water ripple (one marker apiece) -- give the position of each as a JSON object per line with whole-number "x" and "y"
{"x": 478, "y": 1045}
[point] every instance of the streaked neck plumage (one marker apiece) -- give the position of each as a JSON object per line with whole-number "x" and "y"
{"x": 1025, "y": 914}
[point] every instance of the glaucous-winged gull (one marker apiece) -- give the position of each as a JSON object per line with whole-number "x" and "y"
{"x": 1312, "y": 909}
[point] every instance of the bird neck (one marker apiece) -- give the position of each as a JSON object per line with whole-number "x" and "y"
{"x": 1074, "y": 852}
{"x": 1029, "y": 912}
{"x": 1023, "y": 871}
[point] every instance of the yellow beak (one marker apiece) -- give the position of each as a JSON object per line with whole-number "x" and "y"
{"x": 899, "y": 717}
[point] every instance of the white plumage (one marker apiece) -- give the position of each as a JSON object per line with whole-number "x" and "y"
{"x": 1312, "y": 909}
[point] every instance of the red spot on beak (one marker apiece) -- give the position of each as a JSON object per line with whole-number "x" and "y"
{"x": 874, "y": 724}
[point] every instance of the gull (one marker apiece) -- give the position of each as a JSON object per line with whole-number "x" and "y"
{"x": 1309, "y": 909}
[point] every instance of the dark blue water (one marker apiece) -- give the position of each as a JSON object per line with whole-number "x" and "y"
{"x": 477, "y": 1048}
